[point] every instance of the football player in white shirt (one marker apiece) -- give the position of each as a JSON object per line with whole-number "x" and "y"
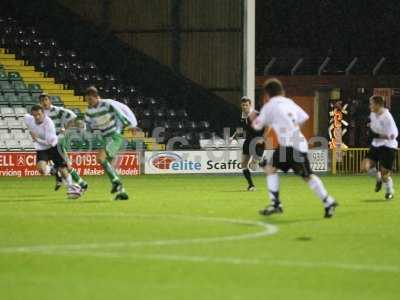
{"x": 285, "y": 117}
{"x": 43, "y": 133}
{"x": 382, "y": 151}
{"x": 63, "y": 119}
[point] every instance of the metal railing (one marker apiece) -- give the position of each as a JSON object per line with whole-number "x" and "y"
{"x": 348, "y": 161}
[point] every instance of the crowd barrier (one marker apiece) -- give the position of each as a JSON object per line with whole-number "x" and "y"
{"x": 348, "y": 161}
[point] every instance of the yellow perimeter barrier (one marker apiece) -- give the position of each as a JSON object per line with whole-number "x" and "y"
{"x": 348, "y": 161}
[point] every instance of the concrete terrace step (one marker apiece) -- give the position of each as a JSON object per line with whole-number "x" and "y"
{"x": 21, "y": 68}
{"x": 10, "y": 62}
{"x": 7, "y": 56}
{"x": 29, "y": 75}
{"x": 39, "y": 80}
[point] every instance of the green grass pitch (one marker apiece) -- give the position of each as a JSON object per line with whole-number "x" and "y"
{"x": 197, "y": 237}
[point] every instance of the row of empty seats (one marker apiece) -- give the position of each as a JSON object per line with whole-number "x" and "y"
{"x": 12, "y": 124}
{"x": 17, "y": 111}
{"x": 12, "y": 144}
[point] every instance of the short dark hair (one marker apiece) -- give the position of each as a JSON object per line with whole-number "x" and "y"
{"x": 378, "y": 100}
{"x": 91, "y": 91}
{"x": 43, "y": 95}
{"x": 36, "y": 108}
{"x": 273, "y": 87}
{"x": 245, "y": 99}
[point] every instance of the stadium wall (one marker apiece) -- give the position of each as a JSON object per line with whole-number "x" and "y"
{"x": 202, "y": 40}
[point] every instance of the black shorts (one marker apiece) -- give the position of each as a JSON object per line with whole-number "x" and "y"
{"x": 383, "y": 155}
{"x": 52, "y": 154}
{"x": 286, "y": 158}
{"x": 258, "y": 150}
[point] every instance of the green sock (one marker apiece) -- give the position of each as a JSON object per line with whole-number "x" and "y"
{"x": 76, "y": 177}
{"x": 111, "y": 173}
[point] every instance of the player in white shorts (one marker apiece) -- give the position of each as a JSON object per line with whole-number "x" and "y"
{"x": 382, "y": 152}
{"x": 285, "y": 117}
{"x": 43, "y": 133}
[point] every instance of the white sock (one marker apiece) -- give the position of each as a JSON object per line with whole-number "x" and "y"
{"x": 389, "y": 185}
{"x": 375, "y": 173}
{"x": 68, "y": 180}
{"x": 273, "y": 187}
{"x": 47, "y": 170}
{"x": 318, "y": 187}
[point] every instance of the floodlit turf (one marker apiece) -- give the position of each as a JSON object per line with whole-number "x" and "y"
{"x": 179, "y": 237}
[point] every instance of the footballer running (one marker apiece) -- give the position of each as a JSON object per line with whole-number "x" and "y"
{"x": 63, "y": 119}
{"x": 285, "y": 117}
{"x": 380, "y": 158}
{"x": 102, "y": 115}
{"x": 45, "y": 141}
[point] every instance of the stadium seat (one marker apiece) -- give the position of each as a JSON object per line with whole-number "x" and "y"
{"x": 147, "y": 114}
{"x": 206, "y": 135}
{"x": 204, "y": 125}
{"x": 25, "y": 98}
{"x": 9, "y": 118}
{"x": 3, "y": 125}
{"x": 3, "y": 102}
{"x": 11, "y": 98}
{"x": 14, "y": 76}
{"x": 20, "y": 111}
{"x": 21, "y": 136}
{"x": 160, "y": 114}
{"x": 16, "y": 124}
{"x": 56, "y": 100}
{"x": 7, "y": 112}
{"x": 3, "y": 146}
{"x": 145, "y": 124}
{"x": 5, "y": 136}
{"x": 171, "y": 114}
{"x": 26, "y": 144}
{"x": 5, "y": 87}
{"x": 12, "y": 145}
{"x": 3, "y": 76}
{"x": 14, "y": 131}
{"x": 182, "y": 114}
{"x": 190, "y": 125}
{"x": 20, "y": 87}
{"x": 35, "y": 88}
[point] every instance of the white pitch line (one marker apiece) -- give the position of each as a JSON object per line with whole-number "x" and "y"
{"x": 166, "y": 257}
{"x": 267, "y": 261}
{"x": 267, "y": 230}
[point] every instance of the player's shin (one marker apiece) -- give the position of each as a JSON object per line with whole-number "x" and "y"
{"x": 75, "y": 176}
{"x": 110, "y": 171}
{"x": 273, "y": 188}
{"x": 247, "y": 175}
{"x": 373, "y": 172}
{"x": 319, "y": 189}
{"x": 389, "y": 185}
{"x": 67, "y": 177}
